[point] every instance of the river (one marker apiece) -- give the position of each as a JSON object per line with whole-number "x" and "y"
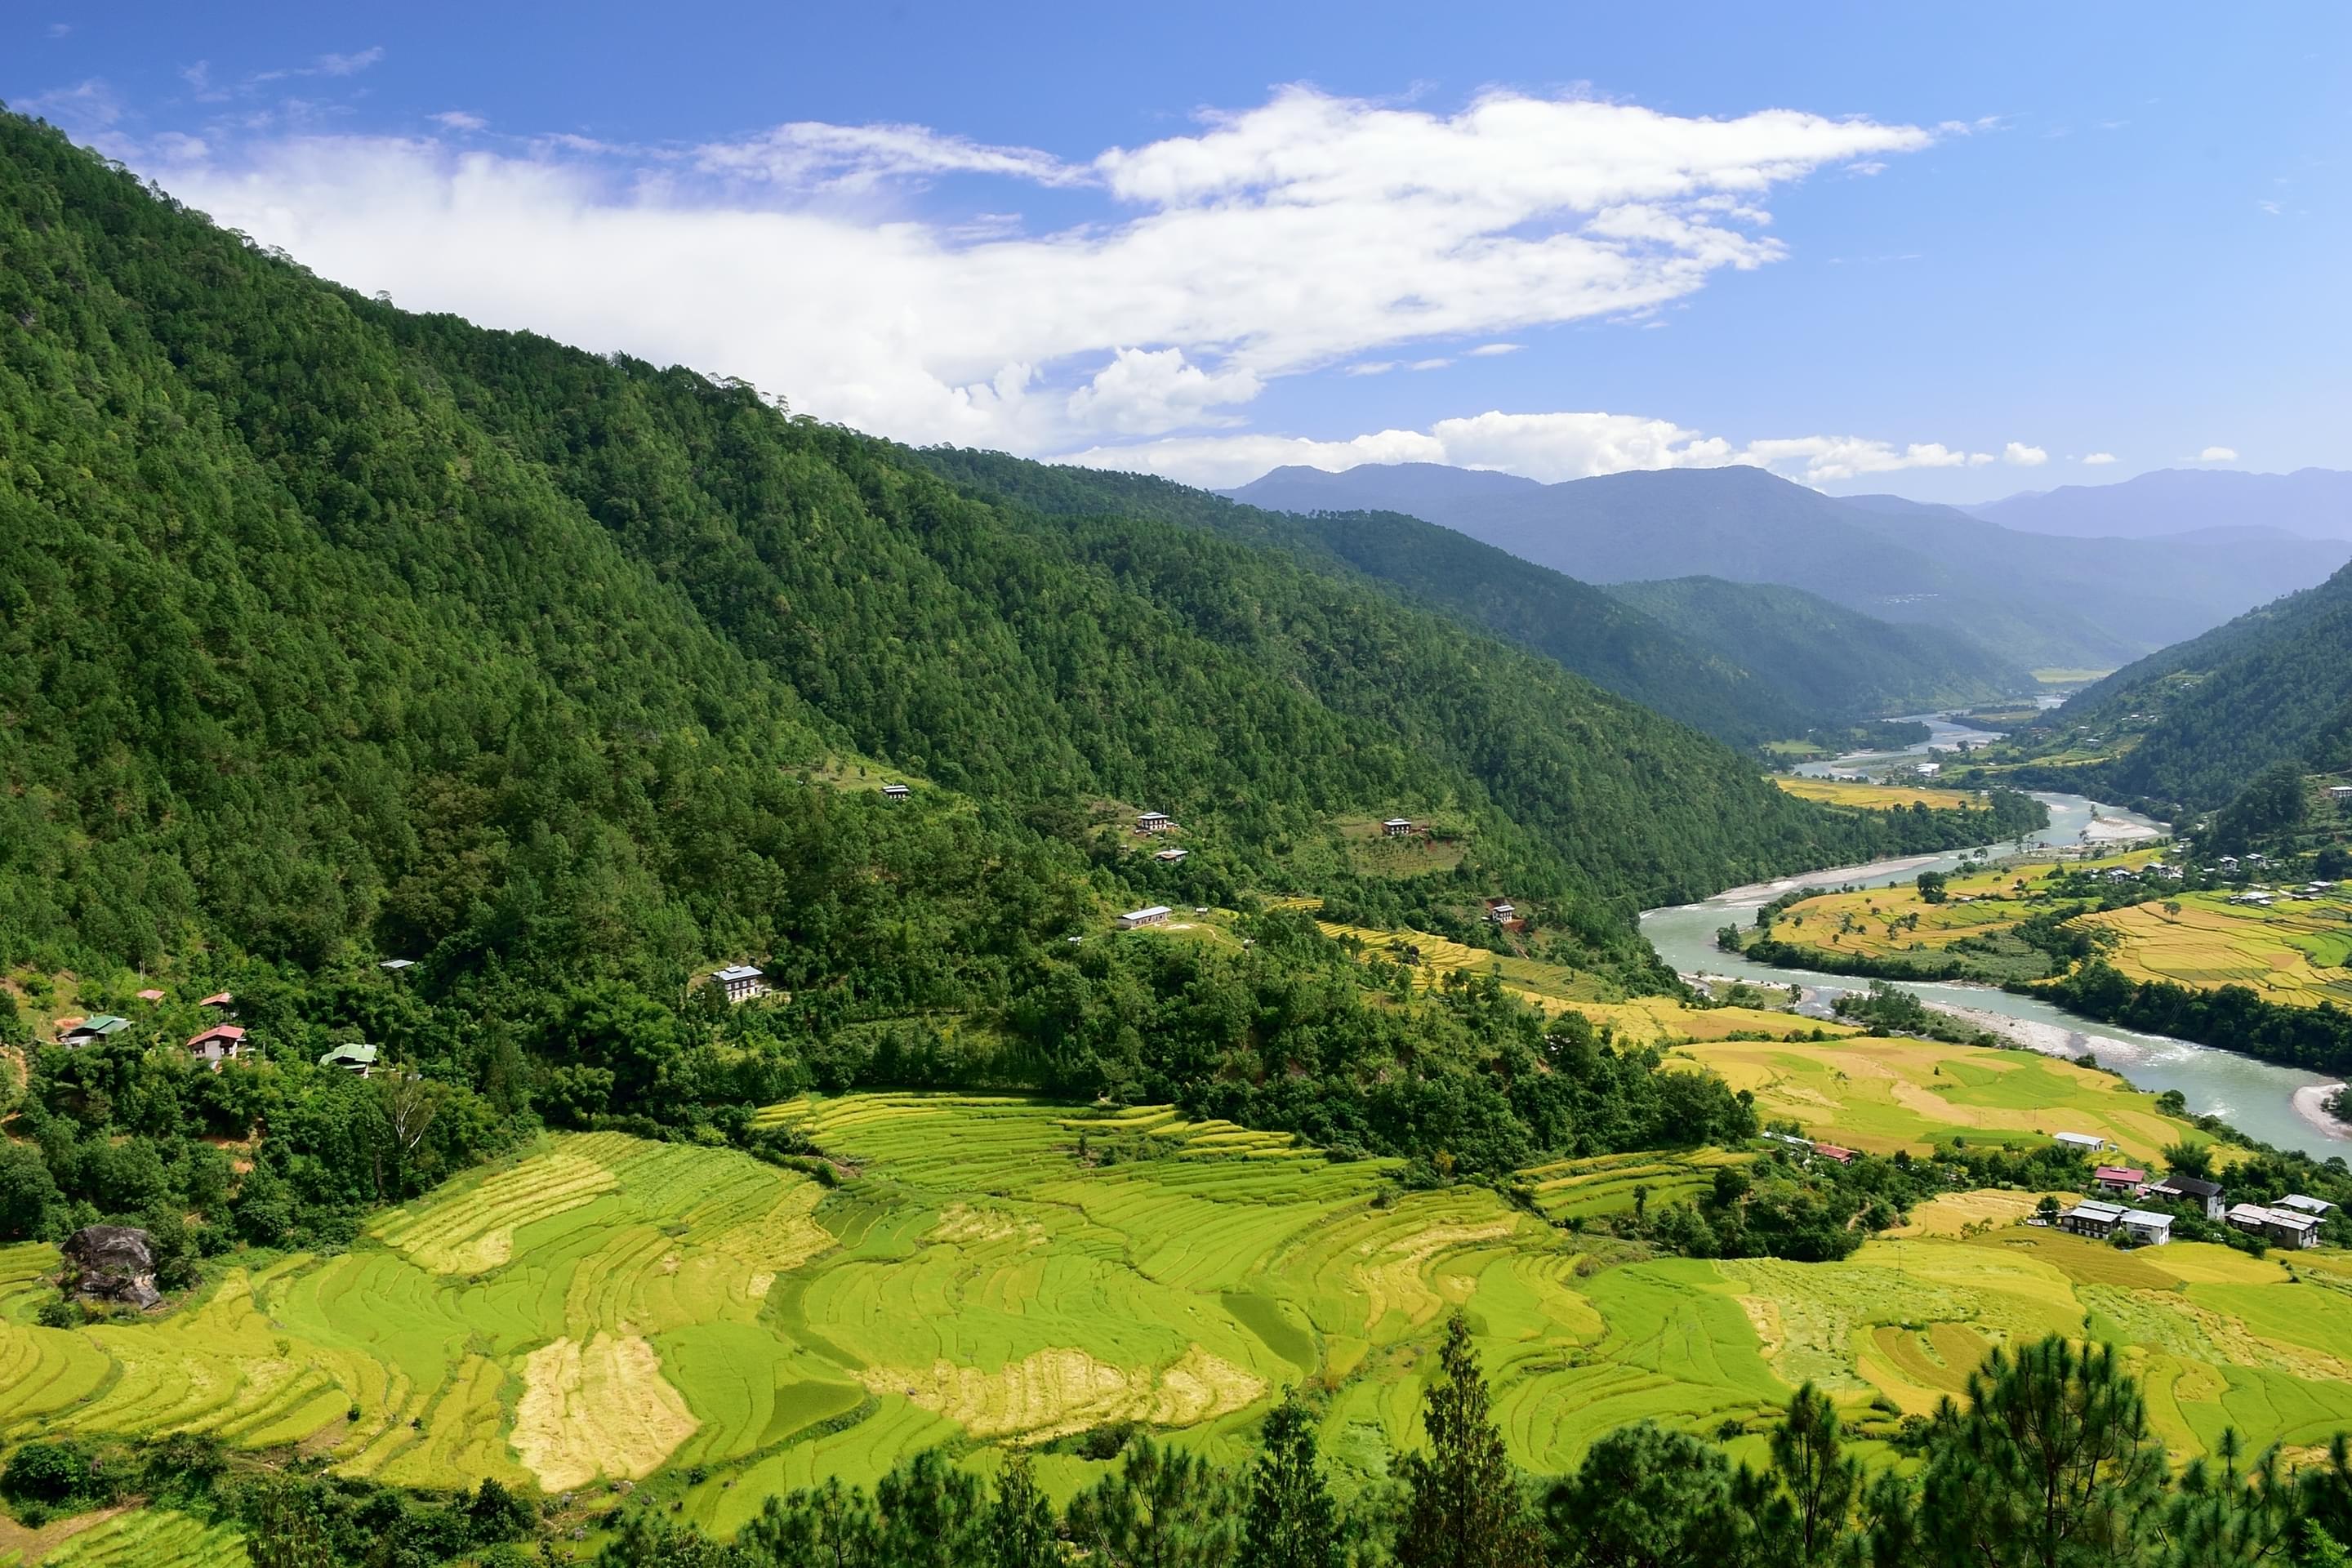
{"x": 2276, "y": 1104}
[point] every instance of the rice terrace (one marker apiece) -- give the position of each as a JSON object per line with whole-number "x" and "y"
{"x": 1003, "y": 1272}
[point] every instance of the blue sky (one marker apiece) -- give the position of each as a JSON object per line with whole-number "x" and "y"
{"x": 1949, "y": 252}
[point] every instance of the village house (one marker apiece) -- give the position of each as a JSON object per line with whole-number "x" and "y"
{"x": 1153, "y": 822}
{"x": 218, "y": 999}
{"x": 355, "y": 1058}
{"x": 2083, "y": 1141}
{"x": 2119, "y": 1178}
{"x": 2295, "y": 1202}
{"x": 222, "y": 1042}
{"x": 1396, "y": 827}
{"x": 1171, "y": 856}
{"x": 2339, "y": 791}
{"x": 1500, "y": 912}
{"x": 1151, "y": 915}
{"x": 894, "y": 791}
{"x": 2193, "y": 1190}
{"x": 397, "y": 965}
{"x": 1843, "y": 1156}
{"x": 741, "y": 982}
{"x": 2228, "y": 862}
{"x": 74, "y": 1032}
{"x": 2281, "y": 1227}
{"x": 150, "y": 994}
{"x": 2148, "y": 1229}
{"x": 2092, "y": 1218}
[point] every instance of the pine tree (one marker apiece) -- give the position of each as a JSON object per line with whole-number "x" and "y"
{"x": 1465, "y": 1508}
{"x": 2050, "y": 1465}
{"x": 1821, "y": 1481}
{"x": 1019, "y": 1525}
{"x": 1291, "y": 1521}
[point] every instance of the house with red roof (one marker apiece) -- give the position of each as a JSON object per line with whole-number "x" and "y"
{"x": 222, "y": 1042}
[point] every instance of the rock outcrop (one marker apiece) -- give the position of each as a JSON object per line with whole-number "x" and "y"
{"x": 112, "y": 1263}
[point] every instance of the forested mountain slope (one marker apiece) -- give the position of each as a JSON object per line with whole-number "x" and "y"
{"x": 1836, "y": 661}
{"x": 1609, "y": 643}
{"x": 330, "y": 624}
{"x": 2272, "y": 685}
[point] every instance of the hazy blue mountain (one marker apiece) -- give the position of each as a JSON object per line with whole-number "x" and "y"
{"x": 1822, "y": 654}
{"x": 2314, "y": 502}
{"x": 2034, "y": 599}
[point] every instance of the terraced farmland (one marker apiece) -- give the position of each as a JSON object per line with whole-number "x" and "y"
{"x": 1005, "y": 1272}
{"x": 2295, "y": 953}
{"x": 1882, "y": 1095}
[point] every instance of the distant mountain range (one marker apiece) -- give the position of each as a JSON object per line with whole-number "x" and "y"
{"x": 2314, "y": 502}
{"x": 2035, "y": 599}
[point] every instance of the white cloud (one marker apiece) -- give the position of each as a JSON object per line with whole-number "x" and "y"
{"x": 348, "y": 65}
{"x": 1371, "y": 367}
{"x": 1142, "y": 391}
{"x": 59, "y": 30}
{"x": 1546, "y": 446}
{"x": 458, "y": 120}
{"x": 86, "y": 108}
{"x": 2218, "y": 455}
{"x": 810, "y": 155}
{"x": 1429, "y": 364}
{"x": 2023, "y": 456}
{"x": 1487, "y": 350}
{"x": 2097, "y": 458}
{"x": 1309, "y": 233}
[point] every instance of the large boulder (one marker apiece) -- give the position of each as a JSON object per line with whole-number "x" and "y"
{"x": 112, "y": 1263}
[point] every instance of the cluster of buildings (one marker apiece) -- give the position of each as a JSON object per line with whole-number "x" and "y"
{"x": 1837, "y": 1152}
{"x": 2293, "y": 1221}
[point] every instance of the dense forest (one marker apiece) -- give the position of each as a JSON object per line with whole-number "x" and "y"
{"x": 334, "y": 635}
{"x": 1609, "y": 642}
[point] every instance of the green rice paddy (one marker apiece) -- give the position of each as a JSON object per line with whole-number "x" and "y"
{"x": 1000, "y": 1272}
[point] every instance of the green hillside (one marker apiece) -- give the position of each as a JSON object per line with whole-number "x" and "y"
{"x": 2196, "y": 722}
{"x": 1609, "y": 643}
{"x": 1835, "y": 660}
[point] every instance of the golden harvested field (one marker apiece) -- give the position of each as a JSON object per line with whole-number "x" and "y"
{"x": 1867, "y": 796}
{"x": 1882, "y": 1095}
{"x": 2292, "y": 952}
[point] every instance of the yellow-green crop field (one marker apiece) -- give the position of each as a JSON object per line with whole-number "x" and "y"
{"x": 1555, "y": 989}
{"x": 1881, "y": 1095}
{"x": 601, "y": 1306}
{"x": 1875, "y": 921}
{"x": 1867, "y": 796}
{"x": 2292, "y": 952}
{"x": 140, "y": 1537}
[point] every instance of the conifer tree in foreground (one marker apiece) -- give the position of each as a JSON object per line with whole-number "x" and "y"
{"x": 1466, "y": 1508}
{"x": 1292, "y": 1521}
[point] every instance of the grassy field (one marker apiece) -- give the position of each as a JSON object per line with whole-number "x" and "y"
{"x": 1005, "y": 1272}
{"x": 1882, "y": 1095}
{"x": 142, "y": 1538}
{"x": 2293, "y": 952}
{"x": 1868, "y": 797}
